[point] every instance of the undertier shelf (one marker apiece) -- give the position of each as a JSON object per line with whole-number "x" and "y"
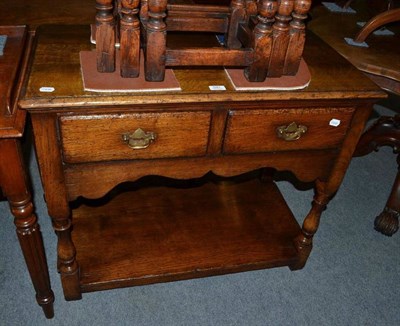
{"x": 161, "y": 233}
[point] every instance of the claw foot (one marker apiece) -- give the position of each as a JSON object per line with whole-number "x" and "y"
{"x": 387, "y": 222}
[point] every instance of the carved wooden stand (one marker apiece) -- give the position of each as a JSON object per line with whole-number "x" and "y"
{"x": 266, "y": 37}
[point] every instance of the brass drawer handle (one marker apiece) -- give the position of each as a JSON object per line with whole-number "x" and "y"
{"x": 291, "y": 132}
{"x": 139, "y": 139}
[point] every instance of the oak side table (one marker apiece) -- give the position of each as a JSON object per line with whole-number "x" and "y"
{"x": 193, "y": 207}
{"x": 13, "y": 176}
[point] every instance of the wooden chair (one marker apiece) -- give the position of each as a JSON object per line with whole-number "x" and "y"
{"x": 385, "y": 131}
{"x": 266, "y": 37}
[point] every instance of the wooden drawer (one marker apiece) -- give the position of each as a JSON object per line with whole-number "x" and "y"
{"x": 251, "y": 131}
{"x": 91, "y": 138}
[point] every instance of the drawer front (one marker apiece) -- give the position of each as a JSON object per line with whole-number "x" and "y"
{"x": 252, "y": 131}
{"x": 91, "y": 138}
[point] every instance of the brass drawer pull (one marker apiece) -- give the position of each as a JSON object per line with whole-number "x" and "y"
{"x": 291, "y": 132}
{"x": 139, "y": 139}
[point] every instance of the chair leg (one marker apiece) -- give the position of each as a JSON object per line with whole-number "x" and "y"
{"x": 130, "y": 39}
{"x": 388, "y": 221}
{"x": 156, "y": 41}
{"x": 105, "y": 36}
{"x": 237, "y": 16}
{"x": 384, "y": 132}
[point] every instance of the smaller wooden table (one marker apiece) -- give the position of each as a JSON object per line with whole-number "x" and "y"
{"x": 13, "y": 177}
{"x": 176, "y": 223}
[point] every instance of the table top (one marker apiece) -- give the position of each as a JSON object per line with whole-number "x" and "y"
{"x": 381, "y": 57}
{"x": 38, "y": 12}
{"x": 12, "y": 65}
{"x": 56, "y": 64}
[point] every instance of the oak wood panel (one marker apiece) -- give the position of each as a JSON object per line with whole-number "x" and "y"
{"x": 38, "y": 12}
{"x": 332, "y": 78}
{"x": 197, "y": 18}
{"x": 216, "y": 25}
{"x": 208, "y": 57}
{"x": 256, "y": 130}
{"x": 91, "y": 138}
{"x": 81, "y": 180}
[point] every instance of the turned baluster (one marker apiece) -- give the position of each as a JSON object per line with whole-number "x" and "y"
{"x": 251, "y": 7}
{"x": 262, "y": 41}
{"x": 105, "y": 36}
{"x": 130, "y": 38}
{"x": 237, "y": 16}
{"x": 156, "y": 40}
{"x": 297, "y": 36}
{"x": 280, "y": 38}
{"x": 144, "y": 11}
{"x": 303, "y": 242}
{"x": 67, "y": 265}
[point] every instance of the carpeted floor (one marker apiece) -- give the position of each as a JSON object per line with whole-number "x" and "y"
{"x": 351, "y": 278}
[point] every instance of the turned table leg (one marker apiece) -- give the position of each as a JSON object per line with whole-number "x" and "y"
{"x": 303, "y": 242}
{"x": 324, "y": 190}
{"x": 50, "y": 166}
{"x": 105, "y": 36}
{"x": 15, "y": 187}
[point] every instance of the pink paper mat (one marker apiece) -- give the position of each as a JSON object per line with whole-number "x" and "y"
{"x": 285, "y": 83}
{"x": 95, "y": 81}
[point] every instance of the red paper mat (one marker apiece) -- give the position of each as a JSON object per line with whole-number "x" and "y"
{"x": 285, "y": 83}
{"x": 95, "y": 81}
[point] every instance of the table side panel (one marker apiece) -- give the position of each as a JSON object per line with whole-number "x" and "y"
{"x": 82, "y": 179}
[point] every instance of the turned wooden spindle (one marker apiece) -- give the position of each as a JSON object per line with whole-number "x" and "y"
{"x": 66, "y": 260}
{"x": 237, "y": 16}
{"x": 105, "y": 36}
{"x": 251, "y": 7}
{"x": 129, "y": 38}
{"x": 262, "y": 41}
{"x": 304, "y": 241}
{"x": 144, "y": 11}
{"x": 324, "y": 190}
{"x": 297, "y": 36}
{"x": 280, "y": 38}
{"x": 156, "y": 40}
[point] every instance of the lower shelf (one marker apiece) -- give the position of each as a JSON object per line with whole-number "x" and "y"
{"x": 159, "y": 234}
